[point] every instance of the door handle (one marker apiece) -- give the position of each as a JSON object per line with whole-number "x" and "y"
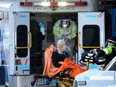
{"x": 79, "y": 43}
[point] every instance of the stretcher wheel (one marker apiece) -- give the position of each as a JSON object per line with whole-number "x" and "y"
{"x": 33, "y": 83}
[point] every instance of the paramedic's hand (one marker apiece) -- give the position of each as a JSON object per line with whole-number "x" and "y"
{"x": 61, "y": 62}
{"x": 95, "y": 51}
{"x": 61, "y": 37}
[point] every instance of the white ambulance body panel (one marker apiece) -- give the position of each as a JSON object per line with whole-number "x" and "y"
{"x": 91, "y": 33}
{"x": 20, "y": 63}
{"x": 98, "y": 78}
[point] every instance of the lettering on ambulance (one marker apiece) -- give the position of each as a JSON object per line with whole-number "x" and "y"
{"x": 94, "y": 16}
{"x": 22, "y": 16}
{"x": 86, "y": 77}
{"x": 98, "y": 78}
{"x": 90, "y": 16}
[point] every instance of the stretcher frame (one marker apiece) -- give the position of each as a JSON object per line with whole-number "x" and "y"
{"x": 60, "y": 81}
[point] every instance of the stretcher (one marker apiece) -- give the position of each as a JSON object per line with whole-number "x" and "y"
{"x": 61, "y": 79}
{"x": 50, "y": 70}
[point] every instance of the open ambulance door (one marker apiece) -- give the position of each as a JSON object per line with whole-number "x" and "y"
{"x": 22, "y": 43}
{"x": 90, "y": 31}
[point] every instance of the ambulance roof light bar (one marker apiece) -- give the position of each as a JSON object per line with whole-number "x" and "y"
{"x": 53, "y": 4}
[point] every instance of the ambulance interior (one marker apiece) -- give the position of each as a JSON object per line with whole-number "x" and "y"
{"x": 40, "y": 42}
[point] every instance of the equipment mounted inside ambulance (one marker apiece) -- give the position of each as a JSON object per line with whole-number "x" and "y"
{"x": 27, "y": 43}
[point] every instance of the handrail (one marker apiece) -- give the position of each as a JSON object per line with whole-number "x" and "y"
{"x": 30, "y": 44}
{"x": 79, "y": 44}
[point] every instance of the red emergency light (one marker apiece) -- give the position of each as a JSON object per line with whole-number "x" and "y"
{"x": 80, "y": 3}
{"x": 53, "y": 4}
{"x": 26, "y": 3}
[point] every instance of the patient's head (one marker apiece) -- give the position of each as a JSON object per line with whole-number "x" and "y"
{"x": 61, "y": 45}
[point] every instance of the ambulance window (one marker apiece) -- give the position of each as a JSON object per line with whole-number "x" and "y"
{"x": 22, "y": 40}
{"x": 91, "y": 35}
{"x": 113, "y": 67}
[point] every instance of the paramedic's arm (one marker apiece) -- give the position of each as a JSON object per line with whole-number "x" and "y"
{"x": 103, "y": 52}
{"x": 73, "y": 27}
{"x": 56, "y": 29}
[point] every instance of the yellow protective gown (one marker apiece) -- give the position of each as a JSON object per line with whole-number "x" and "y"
{"x": 68, "y": 33}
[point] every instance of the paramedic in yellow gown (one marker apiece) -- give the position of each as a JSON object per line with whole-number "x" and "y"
{"x": 66, "y": 29}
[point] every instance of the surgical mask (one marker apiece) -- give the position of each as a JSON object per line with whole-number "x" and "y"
{"x": 65, "y": 25}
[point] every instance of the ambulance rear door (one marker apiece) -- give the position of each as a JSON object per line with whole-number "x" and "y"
{"x": 91, "y": 32}
{"x": 22, "y": 43}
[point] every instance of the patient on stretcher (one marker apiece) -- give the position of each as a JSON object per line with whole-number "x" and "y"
{"x": 59, "y": 61}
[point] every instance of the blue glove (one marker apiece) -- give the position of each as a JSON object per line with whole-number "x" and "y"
{"x": 61, "y": 37}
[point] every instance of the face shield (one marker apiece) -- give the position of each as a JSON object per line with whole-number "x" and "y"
{"x": 112, "y": 41}
{"x": 65, "y": 23}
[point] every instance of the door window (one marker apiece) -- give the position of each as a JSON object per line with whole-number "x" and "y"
{"x": 22, "y": 40}
{"x": 91, "y": 35}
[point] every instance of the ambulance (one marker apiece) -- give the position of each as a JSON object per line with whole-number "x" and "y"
{"x": 27, "y": 41}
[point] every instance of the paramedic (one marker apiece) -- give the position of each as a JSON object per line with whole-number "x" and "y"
{"x": 66, "y": 29}
{"x": 108, "y": 52}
